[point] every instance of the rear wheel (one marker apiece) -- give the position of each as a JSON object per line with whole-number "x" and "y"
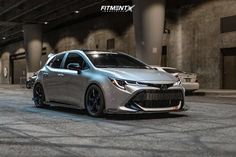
{"x": 94, "y": 101}
{"x": 39, "y": 96}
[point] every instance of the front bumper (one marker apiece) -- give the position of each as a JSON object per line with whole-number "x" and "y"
{"x": 150, "y": 100}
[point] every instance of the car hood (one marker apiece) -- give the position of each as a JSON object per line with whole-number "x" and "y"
{"x": 142, "y": 75}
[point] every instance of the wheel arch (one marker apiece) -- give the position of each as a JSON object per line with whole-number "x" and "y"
{"x": 98, "y": 85}
{"x": 40, "y": 83}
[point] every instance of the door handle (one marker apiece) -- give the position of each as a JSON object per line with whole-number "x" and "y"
{"x": 45, "y": 74}
{"x": 60, "y": 75}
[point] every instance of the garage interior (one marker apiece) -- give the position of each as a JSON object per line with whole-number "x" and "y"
{"x": 197, "y": 36}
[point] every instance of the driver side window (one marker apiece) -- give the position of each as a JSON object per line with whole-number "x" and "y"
{"x": 75, "y": 58}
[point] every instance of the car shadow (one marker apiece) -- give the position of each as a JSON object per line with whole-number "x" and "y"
{"x": 144, "y": 116}
{"x": 194, "y": 93}
{"x": 66, "y": 110}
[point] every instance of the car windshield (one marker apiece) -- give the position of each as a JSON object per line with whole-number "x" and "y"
{"x": 172, "y": 70}
{"x": 115, "y": 60}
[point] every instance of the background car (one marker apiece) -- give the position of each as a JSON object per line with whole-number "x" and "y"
{"x": 30, "y": 82}
{"x": 188, "y": 80}
{"x": 106, "y": 82}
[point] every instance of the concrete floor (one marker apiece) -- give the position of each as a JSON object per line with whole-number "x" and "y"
{"x": 207, "y": 129}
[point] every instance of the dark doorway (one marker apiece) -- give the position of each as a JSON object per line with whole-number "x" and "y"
{"x": 111, "y": 44}
{"x": 229, "y": 68}
{"x": 18, "y": 68}
{"x": 164, "y": 56}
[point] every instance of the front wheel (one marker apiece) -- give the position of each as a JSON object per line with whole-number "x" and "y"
{"x": 39, "y": 97}
{"x": 94, "y": 101}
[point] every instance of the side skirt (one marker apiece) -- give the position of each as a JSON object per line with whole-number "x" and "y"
{"x": 57, "y": 104}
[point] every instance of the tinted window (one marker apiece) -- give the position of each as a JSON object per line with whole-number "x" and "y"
{"x": 75, "y": 58}
{"x": 115, "y": 60}
{"x": 56, "y": 61}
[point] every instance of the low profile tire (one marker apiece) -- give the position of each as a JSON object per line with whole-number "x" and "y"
{"x": 94, "y": 101}
{"x": 39, "y": 96}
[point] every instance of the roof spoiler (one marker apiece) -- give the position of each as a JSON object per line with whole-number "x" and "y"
{"x": 51, "y": 54}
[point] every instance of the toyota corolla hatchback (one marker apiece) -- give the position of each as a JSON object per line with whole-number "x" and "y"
{"x": 106, "y": 82}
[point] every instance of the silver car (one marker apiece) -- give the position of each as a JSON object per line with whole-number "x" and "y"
{"x": 106, "y": 82}
{"x": 188, "y": 80}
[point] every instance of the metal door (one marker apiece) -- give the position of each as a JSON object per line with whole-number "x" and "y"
{"x": 229, "y": 68}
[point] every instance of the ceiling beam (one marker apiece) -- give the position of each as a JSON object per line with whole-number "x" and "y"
{"x": 68, "y": 3}
{"x": 29, "y": 10}
{"x": 7, "y": 23}
{"x": 69, "y": 10}
{"x": 12, "y": 7}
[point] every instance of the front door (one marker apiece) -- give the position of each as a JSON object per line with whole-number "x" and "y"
{"x": 75, "y": 82}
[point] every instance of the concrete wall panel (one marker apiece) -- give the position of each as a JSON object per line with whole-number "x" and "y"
{"x": 195, "y": 40}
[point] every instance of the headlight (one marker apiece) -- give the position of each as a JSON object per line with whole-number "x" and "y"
{"x": 177, "y": 83}
{"x": 121, "y": 83}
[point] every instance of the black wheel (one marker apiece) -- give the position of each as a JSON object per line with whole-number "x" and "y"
{"x": 39, "y": 96}
{"x": 94, "y": 101}
{"x": 28, "y": 84}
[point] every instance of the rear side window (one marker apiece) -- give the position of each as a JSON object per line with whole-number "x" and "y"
{"x": 56, "y": 61}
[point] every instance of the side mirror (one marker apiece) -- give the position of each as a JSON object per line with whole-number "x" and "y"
{"x": 74, "y": 66}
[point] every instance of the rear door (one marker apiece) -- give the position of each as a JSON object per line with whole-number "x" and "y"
{"x": 53, "y": 79}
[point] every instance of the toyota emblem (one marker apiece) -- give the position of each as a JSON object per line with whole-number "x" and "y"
{"x": 164, "y": 87}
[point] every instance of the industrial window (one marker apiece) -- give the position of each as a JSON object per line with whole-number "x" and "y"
{"x": 111, "y": 44}
{"x": 228, "y": 24}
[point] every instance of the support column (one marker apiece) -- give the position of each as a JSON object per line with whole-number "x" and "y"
{"x": 33, "y": 47}
{"x": 149, "y": 17}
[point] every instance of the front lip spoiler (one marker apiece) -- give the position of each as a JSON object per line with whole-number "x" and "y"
{"x": 142, "y": 112}
{"x": 126, "y": 110}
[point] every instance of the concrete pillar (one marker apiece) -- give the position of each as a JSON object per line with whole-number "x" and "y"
{"x": 0, "y": 70}
{"x": 33, "y": 47}
{"x": 149, "y": 17}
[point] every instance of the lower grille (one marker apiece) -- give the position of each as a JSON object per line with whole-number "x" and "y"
{"x": 158, "y": 98}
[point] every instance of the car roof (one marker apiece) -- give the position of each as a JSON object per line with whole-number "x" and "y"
{"x": 88, "y": 51}
{"x": 99, "y": 52}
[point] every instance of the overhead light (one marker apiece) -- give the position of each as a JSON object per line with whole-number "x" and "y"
{"x": 76, "y": 11}
{"x": 22, "y": 31}
{"x": 45, "y": 22}
{"x": 3, "y": 38}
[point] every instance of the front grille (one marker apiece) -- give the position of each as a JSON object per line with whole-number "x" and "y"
{"x": 156, "y": 85}
{"x": 158, "y": 98}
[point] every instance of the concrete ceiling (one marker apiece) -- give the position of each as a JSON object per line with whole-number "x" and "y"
{"x": 51, "y": 13}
